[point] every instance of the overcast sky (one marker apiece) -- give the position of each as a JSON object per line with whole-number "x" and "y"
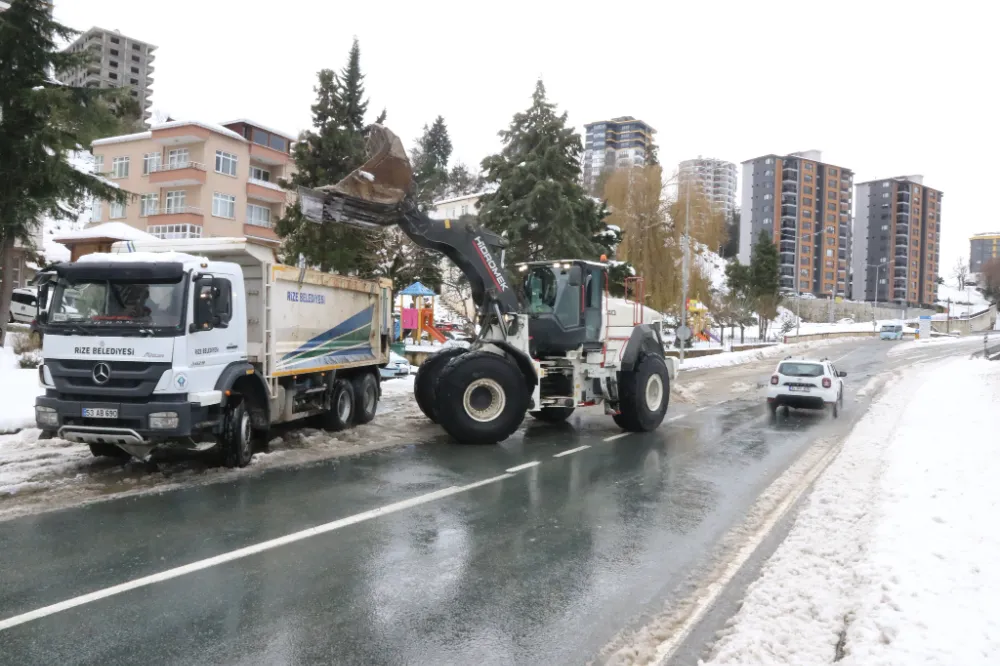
{"x": 883, "y": 88}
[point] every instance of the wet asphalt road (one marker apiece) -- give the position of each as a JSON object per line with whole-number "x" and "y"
{"x": 541, "y": 565}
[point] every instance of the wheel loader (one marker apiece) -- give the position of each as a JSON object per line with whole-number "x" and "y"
{"x": 551, "y": 338}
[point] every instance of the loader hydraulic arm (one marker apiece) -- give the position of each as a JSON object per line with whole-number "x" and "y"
{"x": 379, "y": 194}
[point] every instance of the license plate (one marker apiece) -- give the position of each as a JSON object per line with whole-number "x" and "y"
{"x": 804, "y": 389}
{"x": 99, "y": 413}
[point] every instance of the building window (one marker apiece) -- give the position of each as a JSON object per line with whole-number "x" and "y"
{"x": 223, "y": 205}
{"x": 833, "y": 172}
{"x": 256, "y": 173}
{"x": 769, "y": 161}
{"x": 113, "y": 63}
{"x": 831, "y": 206}
{"x": 807, "y": 189}
{"x": 151, "y": 162}
{"x": 259, "y": 216}
{"x": 807, "y": 213}
{"x": 114, "y": 52}
{"x": 809, "y": 166}
{"x": 885, "y": 227}
{"x": 465, "y": 210}
{"x": 804, "y": 272}
{"x": 807, "y": 225}
{"x": 174, "y": 231}
{"x": 134, "y": 82}
{"x": 175, "y": 201}
{"x": 829, "y": 276}
{"x": 115, "y": 40}
{"x": 808, "y": 178}
{"x": 98, "y": 164}
{"x": 831, "y": 217}
{"x": 806, "y": 238}
{"x": 768, "y": 173}
{"x": 96, "y": 211}
{"x": 225, "y": 163}
{"x": 112, "y": 75}
{"x": 805, "y": 259}
{"x": 885, "y": 184}
{"x": 117, "y": 211}
{"x": 832, "y": 184}
{"x": 119, "y": 167}
{"x": 135, "y": 58}
{"x": 178, "y": 158}
{"x": 882, "y": 281}
{"x": 806, "y": 201}
{"x": 829, "y": 253}
{"x": 767, "y": 197}
{"x": 149, "y": 205}
{"x": 135, "y": 47}
{"x": 134, "y": 70}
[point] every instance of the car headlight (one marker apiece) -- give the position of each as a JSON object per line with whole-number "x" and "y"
{"x": 46, "y": 416}
{"x": 163, "y": 420}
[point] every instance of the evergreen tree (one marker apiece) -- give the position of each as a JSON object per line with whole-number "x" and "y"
{"x": 323, "y": 156}
{"x": 430, "y": 163}
{"x": 539, "y": 204}
{"x": 731, "y": 246}
{"x": 765, "y": 282}
{"x": 41, "y": 121}
{"x": 461, "y": 181}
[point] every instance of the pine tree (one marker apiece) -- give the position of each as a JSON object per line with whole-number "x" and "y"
{"x": 323, "y": 156}
{"x": 765, "y": 282}
{"x": 461, "y": 181}
{"x": 430, "y": 163}
{"x": 539, "y": 204}
{"x": 41, "y": 121}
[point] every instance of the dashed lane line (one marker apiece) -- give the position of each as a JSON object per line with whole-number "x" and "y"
{"x": 526, "y": 465}
{"x": 618, "y": 436}
{"x": 576, "y": 450}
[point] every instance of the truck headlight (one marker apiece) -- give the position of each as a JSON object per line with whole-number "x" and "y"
{"x": 46, "y": 416}
{"x": 163, "y": 420}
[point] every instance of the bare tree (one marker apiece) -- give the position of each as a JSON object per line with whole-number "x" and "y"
{"x": 456, "y": 295}
{"x": 961, "y": 272}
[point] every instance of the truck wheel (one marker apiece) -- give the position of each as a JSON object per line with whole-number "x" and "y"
{"x": 483, "y": 398}
{"x": 644, "y": 394}
{"x": 341, "y": 411}
{"x": 552, "y": 414}
{"x": 365, "y": 397}
{"x": 425, "y": 383}
{"x": 100, "y": 450}
{"x": 236, "y": 440}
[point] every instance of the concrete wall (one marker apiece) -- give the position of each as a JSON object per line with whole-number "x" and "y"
{"x": 979, "y": 322}
{"x": 818, "y": 309}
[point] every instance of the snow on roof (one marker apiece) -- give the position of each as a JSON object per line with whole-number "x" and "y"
{"x": 441, "y": 202}
{"x": 209, "y": 126}
{"x": 254, "y": 123}
{"x": 124, "y": 138}
{"x": 115, "y": 230}
{"x": 142, "y": 257}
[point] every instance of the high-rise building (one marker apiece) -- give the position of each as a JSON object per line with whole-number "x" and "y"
{"x": 897, "y": 232}
{"x": 116, "y": 61}
{"x": 804, "y": 205}
{"x": 194, "y": 180}
{"x": 982, "y": 248}
{"x": 716, "y": 178}
{"x": 612, "y": 144}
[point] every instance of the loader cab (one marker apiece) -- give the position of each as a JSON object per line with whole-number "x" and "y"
{"x": 565, "y": 303}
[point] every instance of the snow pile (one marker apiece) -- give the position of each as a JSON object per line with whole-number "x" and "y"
{"x": 142, "y": 257}
{"x": 963, "y": 301}
{"x": 748, "y": 356}
{"x": 115, "y": 230}
{"x": 893, "y": 558}
{"x": 907, "y": 347}
{"x": 712, "y": 266}
{"x": 17, "y": 393}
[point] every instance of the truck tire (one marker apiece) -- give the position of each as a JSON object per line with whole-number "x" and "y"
{"x": 236, "y": 441}
{"x": 644, "y": 394}
{"x": 482, "y": 398}
{"x": 365, "y": 397}
{"x": 552, "y": 414}
{"x": 341, "y": 412}
{"x": 425, "y": 383}
{"x": 100, "y": 450}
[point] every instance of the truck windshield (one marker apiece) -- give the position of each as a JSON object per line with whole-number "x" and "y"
{"x": 119, "y": 303}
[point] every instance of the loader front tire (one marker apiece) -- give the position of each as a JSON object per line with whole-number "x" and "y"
{"x": 644, "y": 394}
{"x": 425, "y": 383}
{"x": 482, "y": 398}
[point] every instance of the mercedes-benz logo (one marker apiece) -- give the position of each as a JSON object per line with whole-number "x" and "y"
{"x": 101, "y": 373}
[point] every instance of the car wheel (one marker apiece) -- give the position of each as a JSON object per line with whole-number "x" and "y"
{"x": 772, "y": 409}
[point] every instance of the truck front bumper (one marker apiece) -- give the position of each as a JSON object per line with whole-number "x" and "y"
{"x": 131, "y": 430}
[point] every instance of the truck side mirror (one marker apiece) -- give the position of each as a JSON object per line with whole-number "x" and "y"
{"x": 204, "y": 305}
{"x": 575, "y": 278}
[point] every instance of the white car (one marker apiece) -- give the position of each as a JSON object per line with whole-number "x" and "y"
{"x": 23, "y": 305}
{"x": 806, "y": 384}
{"x": 397, "y": 366}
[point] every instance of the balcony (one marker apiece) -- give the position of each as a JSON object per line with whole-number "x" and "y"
{"x": 899, "y": 272}
{"x": 789, "y": 175}
{"x": 902, "y": 197}
{"x": 252, "y": 230}
{"x": 788, "y": 224}
{"x": 176, "y": 215}
{"x": 261, "y": 190}
{"x": 179, "y": 135}
{"x": 789, "y": 210}
{"x": 178, "y": 174}
{"x": 267, "y": 155}
{"x": 790, "y": 188}
{"x": 902, "y": 209}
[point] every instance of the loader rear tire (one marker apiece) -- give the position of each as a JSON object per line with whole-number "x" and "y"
{"x": 482, "y": 398}
{"x": 425, "y": 383}
{"x": 644, "y": 395}
{"x": 552, "y": 414}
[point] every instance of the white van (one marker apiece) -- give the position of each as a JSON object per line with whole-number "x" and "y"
{"x": 23, "y": 305}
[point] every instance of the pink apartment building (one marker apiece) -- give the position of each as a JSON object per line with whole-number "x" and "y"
{"x": 194, "y": 180}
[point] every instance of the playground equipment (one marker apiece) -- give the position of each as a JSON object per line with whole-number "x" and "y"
{"x": 419, "y": 318}
{"x": 698, "y": 320}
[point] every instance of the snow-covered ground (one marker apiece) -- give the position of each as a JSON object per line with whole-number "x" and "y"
{"x": 973, "y": 341}
{"x": 963, "y": 301}
{"x": 17, "y": 393}
{"x": 893, "y": 558}
{"x": 750, "y": 355}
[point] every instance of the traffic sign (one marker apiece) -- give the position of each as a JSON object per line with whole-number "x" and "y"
{"x": 684, "y": 333}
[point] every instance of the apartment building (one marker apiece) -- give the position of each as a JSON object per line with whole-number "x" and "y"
{"x": 194, "y": 179}
{"x": 716, "y": 178}
{"x": 116, "y": 61}
{"x": 982, "y": 248}
{"x": 612, "y": 144}
{"x": 897, "y": 232}
{"x": 453, "y": 208}
{"x": 805, "y": 206}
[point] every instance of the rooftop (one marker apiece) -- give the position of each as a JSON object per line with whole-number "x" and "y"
{"x": 97, "y": 29}
{"x": 916, "y": 179}
{"x": 254, "y": 123}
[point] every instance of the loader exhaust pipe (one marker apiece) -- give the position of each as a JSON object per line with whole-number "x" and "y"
{"x": 373, "y": 195}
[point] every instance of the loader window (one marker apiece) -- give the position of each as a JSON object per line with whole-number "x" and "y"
{"x": 547, "y": 290}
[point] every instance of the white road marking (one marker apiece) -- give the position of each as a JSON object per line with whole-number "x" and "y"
{"x": 676, "y": 418}
{"x": 701, "y": 409}
{"x": 618, "y": 436}
{"x": 844, "y": 356}
{"x": 511, "y": 470}
{"x": 714, "y": 590}
{"x": 566, "y": 453}
{"x": 243, "y": 552}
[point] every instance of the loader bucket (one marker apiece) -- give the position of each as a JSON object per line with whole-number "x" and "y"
{"x": 370, "y": 196}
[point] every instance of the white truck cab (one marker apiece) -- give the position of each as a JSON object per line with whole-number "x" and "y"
{"x": 205, "y": 342}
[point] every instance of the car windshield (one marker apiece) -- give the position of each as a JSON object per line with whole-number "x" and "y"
{"x": 118, "y": 303}
{"x": 800, "y": 369}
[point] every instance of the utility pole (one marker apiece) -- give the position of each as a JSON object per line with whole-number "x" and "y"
{"x": 685, "y": 262}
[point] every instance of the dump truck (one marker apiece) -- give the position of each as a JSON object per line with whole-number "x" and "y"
{"x": 204, "y": 343}
{"x": 551, "y": 337}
